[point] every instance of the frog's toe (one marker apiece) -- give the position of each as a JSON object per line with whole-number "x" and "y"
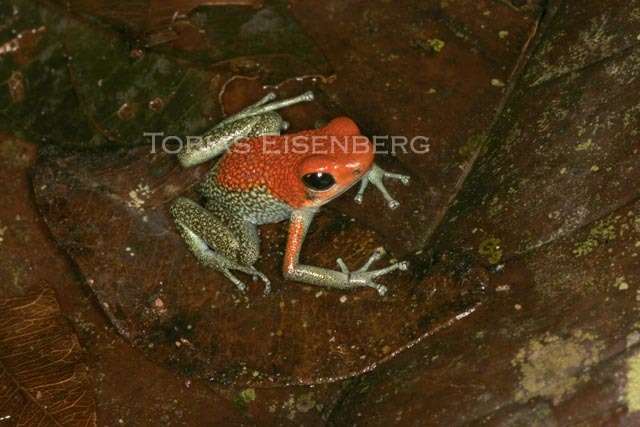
{"x": 376, "y": 175}
{"x": 265, "y": 280}
{"x": 364, "y": 277}
{"x": 382, "y": 289}
{"x": 239, "y": 284}
{"x": 375, "y": 256}
{"x": 404, "y": 179}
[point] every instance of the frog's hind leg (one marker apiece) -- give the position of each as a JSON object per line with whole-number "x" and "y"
{"x": 202, "y": 231}
{"x": 247, "y": 233}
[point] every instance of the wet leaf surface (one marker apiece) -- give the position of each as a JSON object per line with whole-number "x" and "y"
{"x": 558, "y": 142}
{"x": 416, "y": 70}
{"x": 152, "y": 20}
{"x": 556, "y": 345}
{"x": 109, "y": 210}
{"x": 129, "y": 388}
{"x": 94, "y": 88}
{"x": 42, "y": 375}
{"x": 552, "y": 204}
{"x": 43, "y": 378}
{"x": 529, "y": 197}
{"x": 117, "y": 228}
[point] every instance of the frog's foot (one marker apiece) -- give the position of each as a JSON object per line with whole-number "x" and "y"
{"x": 248, "y": 270}
{"x": 375, "y": 176}
{"x": 232, "y": 265}
{"x": 364, "y": 277}
{"x": 219, "y": 262}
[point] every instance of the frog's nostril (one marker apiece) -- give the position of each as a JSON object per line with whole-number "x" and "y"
{"x": 356, "y": 172}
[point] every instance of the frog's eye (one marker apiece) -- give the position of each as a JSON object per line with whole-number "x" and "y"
{"x": 318, "y": 181}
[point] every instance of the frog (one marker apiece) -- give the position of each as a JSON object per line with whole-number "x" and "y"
{"x": 257, "y": 182}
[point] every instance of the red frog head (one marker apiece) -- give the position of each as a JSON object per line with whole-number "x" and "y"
{"x": 304, "y": 169}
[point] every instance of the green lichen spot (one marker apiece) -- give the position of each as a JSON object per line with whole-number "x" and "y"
{"x": 305, "y": 402}
{"x": 552, "y": 366}
{"x": 248, "y": 395}
{"x": 621, "y": 283}
{"x": 585, "y": 145}
{"x": 492, "y": 248}
{"x": 502, "y": 34}
{"x": 602, "y": 232}
{"x": 473, "y": 142}
{"x": 632, "y": 389}
{"x": 436, "y": 44}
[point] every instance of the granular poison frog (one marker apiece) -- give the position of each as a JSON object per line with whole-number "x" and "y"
{"x": 264, "y": 177}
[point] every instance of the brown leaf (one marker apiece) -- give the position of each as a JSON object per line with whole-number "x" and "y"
{"x": 405, "y": 88}
{"x": 109, "y": 359}
{"x": 144, "y": 17}
{"x": 43, "y": 381}
{"x": 553, "y": 203}
{"x": 110, "y": 212}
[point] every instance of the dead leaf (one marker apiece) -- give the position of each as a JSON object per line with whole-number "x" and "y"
{"x": 110, "y": 212}
{"x": 81, "y": 85}
{"x": 148, "y": 19}
{"x": 43, "y": 380}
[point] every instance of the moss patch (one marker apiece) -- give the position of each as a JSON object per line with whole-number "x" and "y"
{"x": 491, "y": 247}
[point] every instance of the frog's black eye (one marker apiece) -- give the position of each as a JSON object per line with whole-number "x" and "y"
{"x": 318, "y": 181}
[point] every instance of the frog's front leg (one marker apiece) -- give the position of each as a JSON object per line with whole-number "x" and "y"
{"x": 345, "y": 279}
{"x": 375, "y": 176}
{"x": 215, "y": 142}
{"x": 259, "y": 119}
{"x": 215, "y": 245}
{"x": 265, "y": 105}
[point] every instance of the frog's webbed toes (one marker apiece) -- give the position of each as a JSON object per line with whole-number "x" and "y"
{"x": 376, "y": 176}
{"x": 255, "y": 273}
{"x": 364, "y": 277}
